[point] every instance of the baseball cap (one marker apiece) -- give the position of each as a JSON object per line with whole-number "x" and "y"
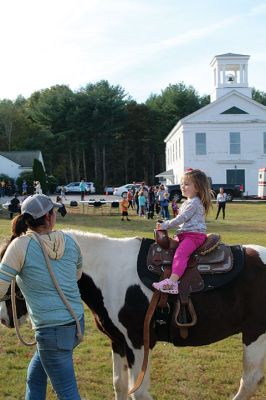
{"x": 38, "y": 205}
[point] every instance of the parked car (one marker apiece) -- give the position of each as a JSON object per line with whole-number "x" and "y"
{"x": 73, "y": 187}
{"x": 231, "y": 190}
{"x": 108, "y": 190}
{"x": 92, "y": 187}
{"x": 121, "y": 190}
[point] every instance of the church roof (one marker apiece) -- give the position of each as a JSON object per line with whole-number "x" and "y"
{"x": 22, "y": 158}
{"x": 233, "y": 110}
{"x": 232, "y": 55}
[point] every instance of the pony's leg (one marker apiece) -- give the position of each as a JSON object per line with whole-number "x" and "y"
{"x": 253, "y": 368}
{"x": 120, "y": 376}
{"x": 143, "y": 392}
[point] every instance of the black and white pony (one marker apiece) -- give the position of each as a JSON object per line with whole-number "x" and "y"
{"x": 112, "y": 289}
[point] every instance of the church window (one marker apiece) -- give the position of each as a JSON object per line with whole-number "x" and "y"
{"x": 234, "y": 110}
{"x": 200, "y": 143}
{"x": 234, "y": 143}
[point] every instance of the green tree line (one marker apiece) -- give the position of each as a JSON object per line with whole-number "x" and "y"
{"x": 99, "y": 132}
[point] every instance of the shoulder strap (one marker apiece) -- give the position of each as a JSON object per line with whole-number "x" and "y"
{"x": 60, "y": 292}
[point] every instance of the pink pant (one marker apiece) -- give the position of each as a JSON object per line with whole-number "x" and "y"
{"x": 188, "y": 243}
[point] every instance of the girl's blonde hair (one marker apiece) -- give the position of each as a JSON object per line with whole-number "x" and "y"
{"x": 202, "y": 186}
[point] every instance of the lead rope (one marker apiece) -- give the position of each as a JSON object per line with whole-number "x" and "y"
{"x": 59, "y": 290}
{"x": 14, "y": 312}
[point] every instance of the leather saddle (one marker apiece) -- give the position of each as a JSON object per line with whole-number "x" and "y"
{"x": 210, "y": 258}
{"x": 213, "y": 257}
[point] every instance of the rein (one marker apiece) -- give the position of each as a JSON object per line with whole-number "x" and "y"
{"x": 146, "y": 339}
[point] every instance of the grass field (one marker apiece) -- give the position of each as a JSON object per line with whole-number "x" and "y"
{"x": 208, "y": 372}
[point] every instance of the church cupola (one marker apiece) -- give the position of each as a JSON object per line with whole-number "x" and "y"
{"x": 230, "y": 72}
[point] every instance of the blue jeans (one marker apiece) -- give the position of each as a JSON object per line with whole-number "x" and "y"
{"x": 53, "y": 359}
{"x": 166, "y": 212}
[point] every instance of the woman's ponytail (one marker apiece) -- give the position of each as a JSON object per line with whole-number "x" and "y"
{"x": 19, "y": 226}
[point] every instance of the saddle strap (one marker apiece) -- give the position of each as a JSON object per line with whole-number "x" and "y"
{"x": 146, "y": 340}
{"x": 162, "y": 303}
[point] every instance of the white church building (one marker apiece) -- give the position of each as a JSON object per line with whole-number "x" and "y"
{"x": 227, "y": 138}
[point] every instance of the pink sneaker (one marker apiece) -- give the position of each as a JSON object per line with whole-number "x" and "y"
{"x": 166, "y": 286}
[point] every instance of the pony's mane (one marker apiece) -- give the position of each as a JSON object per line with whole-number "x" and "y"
{"x": 93, "y": 235}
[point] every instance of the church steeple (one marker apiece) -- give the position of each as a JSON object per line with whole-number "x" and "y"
{"x": 230, "y": 71}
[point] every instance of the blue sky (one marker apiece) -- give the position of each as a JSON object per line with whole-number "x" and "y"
{"x": 142, "y": 45}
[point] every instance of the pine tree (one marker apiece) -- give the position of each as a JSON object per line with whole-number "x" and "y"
{"x": 39, "y": 174}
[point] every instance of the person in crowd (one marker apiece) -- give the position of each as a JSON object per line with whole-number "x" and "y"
{"x": 157, "y": 202}
{"x": 143, "y": 188}
{"x": 14, "y": 206}
{"x": 165, "y": 205}
{"x": 24, "y": 187}
{"x": 221, "y": 202}
{"x": 82, "y": 188}
{"x": 9, "y": 189}
{"x": 61, "y": 210}
{"x": 160, "y": 196}
{"x": 130, "y": 199}
{"x": 124, "y": 207}
{"x": 174, "y": 207}
{"x": 191, "y": 234}
{"x": 133, "y": 191}
{"x": 2, "y": 188}
{"x": 142, "y": 203}
{"x": 63, "y": 193}
{"x": 136, "y": 199}
{"x": 151, "y": 202}
{"x": 38, "y": 188}
{"x": 55, "y": 328}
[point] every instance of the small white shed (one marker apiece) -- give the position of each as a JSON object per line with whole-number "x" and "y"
{"x": 12, "y": 163}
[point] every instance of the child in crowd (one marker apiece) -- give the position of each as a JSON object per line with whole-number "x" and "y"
{"x": 191, "y": 234}
{"x": 142, "y": 203}
{"x": 124, "y": 207}
{"x": 63, "y": 192}
{"x": 61, "y": 210}
{"x": 174, "y": 207}
{"x": 130, "y": 199}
